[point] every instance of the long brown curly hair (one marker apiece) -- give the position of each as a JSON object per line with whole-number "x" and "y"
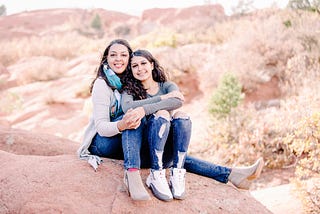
{"x": 133, "y": 86}
{"x": 99, "y": 70}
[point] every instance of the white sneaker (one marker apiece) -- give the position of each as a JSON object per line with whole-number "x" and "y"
{"x": 158, "y": 183}
{"x": 177, "y": 183}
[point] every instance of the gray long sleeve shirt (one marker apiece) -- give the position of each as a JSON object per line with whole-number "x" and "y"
{"x": 153, "y": 103}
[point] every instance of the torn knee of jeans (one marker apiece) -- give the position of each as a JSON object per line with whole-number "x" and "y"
{"x": 184, "y": 118}
{"x": 162, "y": 130}
{"x": 181, "y": 157}
{"x": 159, "y": 157}
{"x": 156, "y": 117}
{"x": 180, "y": 115}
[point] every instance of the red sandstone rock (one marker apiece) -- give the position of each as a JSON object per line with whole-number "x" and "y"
{"x": 65, "y": 184}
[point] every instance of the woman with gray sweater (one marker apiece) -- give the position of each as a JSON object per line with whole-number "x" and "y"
{"x": 168, "y": 132}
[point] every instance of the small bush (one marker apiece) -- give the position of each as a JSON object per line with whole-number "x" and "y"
{"x": 96, "y": 22}
{"x": 227, "y": 96}
{"x": 287, "y": 23}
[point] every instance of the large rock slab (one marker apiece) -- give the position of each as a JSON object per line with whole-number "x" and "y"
{"x": 65, "y": 184}
{"x": 24, "y": 142}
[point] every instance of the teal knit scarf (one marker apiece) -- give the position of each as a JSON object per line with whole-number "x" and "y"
{"x": 112, "y": 77}
{"x": 115, "y": 81}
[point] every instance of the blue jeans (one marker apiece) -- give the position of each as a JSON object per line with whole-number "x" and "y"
{"x": 136, "y": 151}
{"x": 207, "y": 169}
{"x": 168, "y": 141}
{"x": 112, "y": 147}
{"x": 127, "y": 146}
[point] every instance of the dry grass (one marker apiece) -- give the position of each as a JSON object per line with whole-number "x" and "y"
{"x": 10, "y": 102}
{"x": 59, "y": 46}
{"x": 256, "y": 47}
{"x": 40, "y": 68}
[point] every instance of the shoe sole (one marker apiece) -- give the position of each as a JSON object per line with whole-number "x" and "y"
{"x": 179, "y": 197}
{"x": 156, "y": 193}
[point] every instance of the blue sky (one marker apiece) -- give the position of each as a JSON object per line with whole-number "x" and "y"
{"x": 133, "y": 7}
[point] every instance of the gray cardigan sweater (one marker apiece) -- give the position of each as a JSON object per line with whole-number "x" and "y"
{"x": 103, "y": 98}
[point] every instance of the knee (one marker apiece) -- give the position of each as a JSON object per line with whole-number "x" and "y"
{"x": 180, "y": 114}
{"x": 164, "y": 114}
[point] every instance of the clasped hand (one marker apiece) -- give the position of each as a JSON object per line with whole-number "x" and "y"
{"x": 131, "y": 119}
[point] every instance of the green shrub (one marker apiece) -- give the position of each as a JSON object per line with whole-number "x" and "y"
{"x": 96, "y": 22}
{"x": 227, "y": 96}
{"x": 287, "y": 23}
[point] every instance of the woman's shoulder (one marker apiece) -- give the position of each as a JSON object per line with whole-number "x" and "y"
{"x": 99, "y": 80}
{"x": 100, "y": 83}
{"x": 168, "y": 84}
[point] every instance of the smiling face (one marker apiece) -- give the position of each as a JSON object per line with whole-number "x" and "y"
{"x": 141, "y": 68}
{"x": 118, "y": 58}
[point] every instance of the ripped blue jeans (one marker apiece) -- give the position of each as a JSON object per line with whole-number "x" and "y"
{"x": 168, "y": 141}
{"x": 168, "y": 144}
{"x": 134, "y": 149}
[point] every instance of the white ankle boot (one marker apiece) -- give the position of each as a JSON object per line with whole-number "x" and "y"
{"x": 242, "y": 177}
{"x": 135, "y": 186}
{"x": 177, "y": 183}
{"x": 158, "y": 183}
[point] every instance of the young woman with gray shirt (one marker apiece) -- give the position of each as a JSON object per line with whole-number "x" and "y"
{"x": 168, "y": 132}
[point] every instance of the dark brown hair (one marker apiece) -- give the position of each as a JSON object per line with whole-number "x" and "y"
{"x": 99, "y": 70}
{"x": 133, "y": 86}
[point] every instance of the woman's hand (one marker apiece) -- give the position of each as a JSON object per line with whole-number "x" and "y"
{"x": 139, "y": 113}
{"x": 173, "y": 94}
{"x": 131, "y": 119}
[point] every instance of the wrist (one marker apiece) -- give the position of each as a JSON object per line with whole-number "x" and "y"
{"x": 143, "y": 112}
{"x": 120, "y": 126}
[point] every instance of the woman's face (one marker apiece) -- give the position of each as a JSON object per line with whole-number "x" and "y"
{"x": 118, "y": 58}
{"x": 141, "y": 68}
